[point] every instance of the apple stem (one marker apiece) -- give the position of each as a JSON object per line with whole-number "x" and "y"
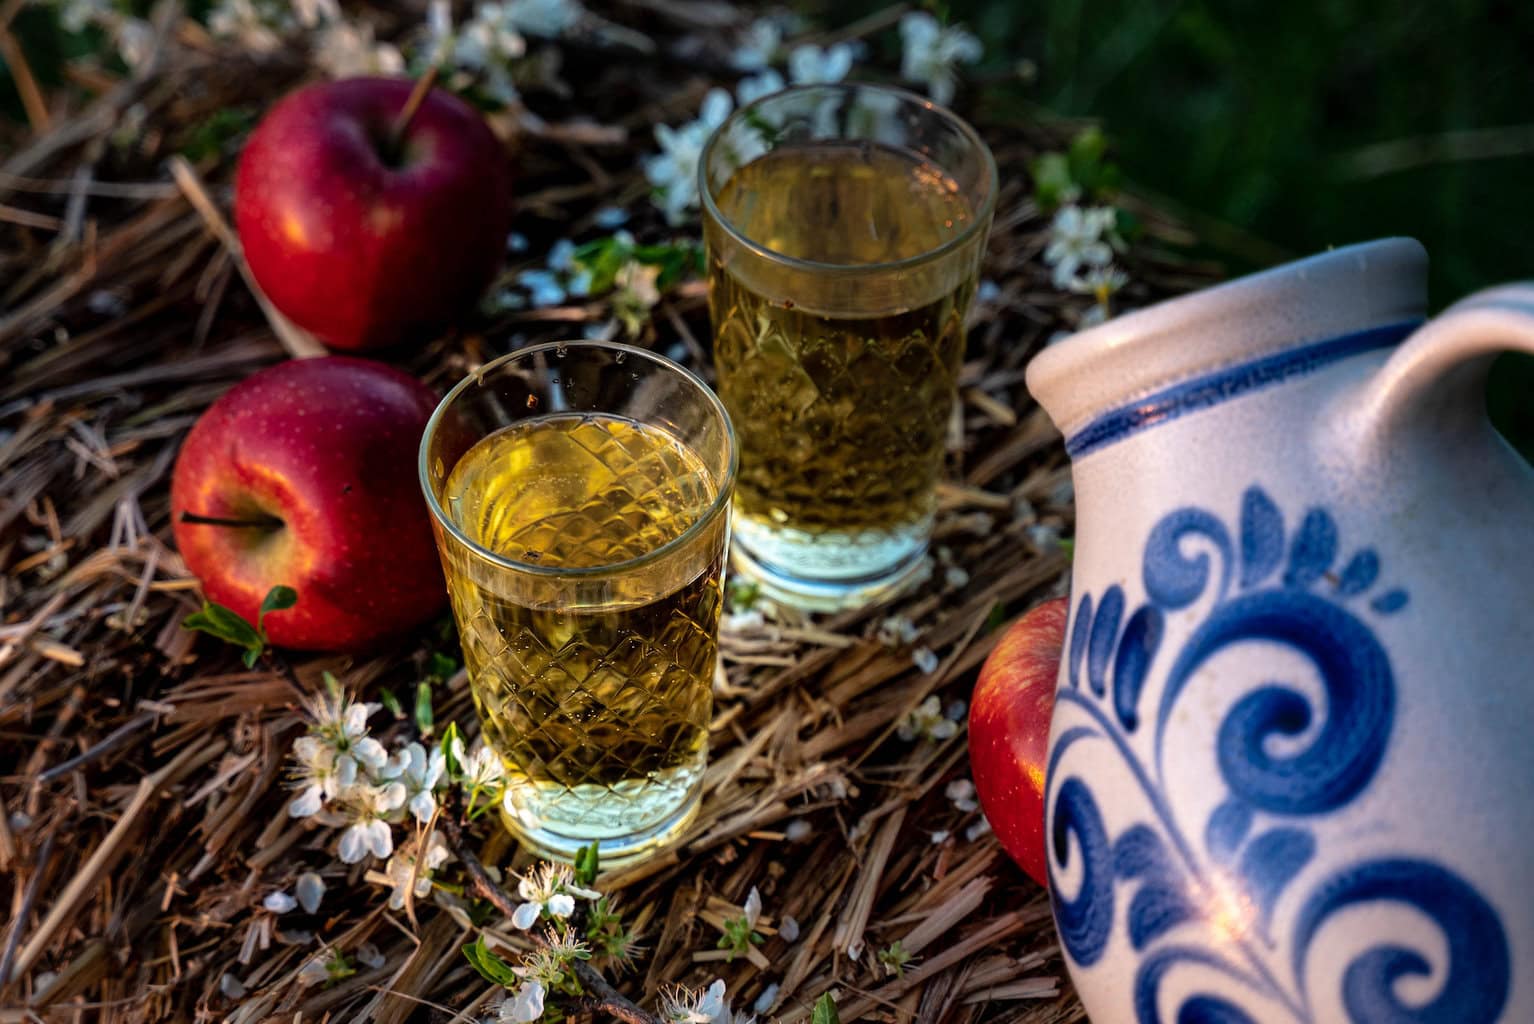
{"x": 412, "y": 104}
{"x": 258, "y": 522}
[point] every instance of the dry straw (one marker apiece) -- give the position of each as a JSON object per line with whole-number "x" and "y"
{"x": 142, "y": 772}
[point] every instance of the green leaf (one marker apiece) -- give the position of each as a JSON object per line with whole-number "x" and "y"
{"x": 586, "y": 861}
{"x": 490, "y": 967}
{"x": 277, "y": 599}
{"x": 423, "y": 713}
{"x": 216, "y": 620}
{"x": 825, "y": 1011}
{"x": 1052, "y": 180}
{"x": 996, "y": 619}
{"x": 391, "y": 703}
{"x": 454, "y": 769}
{"x": 250, "y": 656}
{"x": 1068, "y": 545}
{"x": 440, "y": 666}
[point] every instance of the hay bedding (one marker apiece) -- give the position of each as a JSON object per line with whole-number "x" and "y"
{"x": 143, "y": 771}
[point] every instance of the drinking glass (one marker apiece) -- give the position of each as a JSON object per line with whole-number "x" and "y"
{"x": 845, "y": 226}
{"x": 578, "y": 492}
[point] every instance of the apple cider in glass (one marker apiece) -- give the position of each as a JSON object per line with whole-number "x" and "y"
{"x": 590, "y": 633}
{"x": 844, "y": 237}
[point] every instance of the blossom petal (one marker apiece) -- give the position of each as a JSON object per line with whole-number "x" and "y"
{"x": 561, "y": 904}
{"x": 379, "y": 837}
{"x": 279, "y": 902}
{"x": 353, "y": 846}
{"x": 308, "y": 802}
{"x": 310, "y": 889}
{"x": 526, "y": 915}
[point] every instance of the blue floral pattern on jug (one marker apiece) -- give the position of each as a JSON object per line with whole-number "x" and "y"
{"x": 1293, "y": 591}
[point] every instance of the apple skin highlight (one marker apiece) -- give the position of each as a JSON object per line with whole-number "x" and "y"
{"x": 362, "y": 247}
{"x": 1009, "y": 716}
{"x": 327, "y": 446}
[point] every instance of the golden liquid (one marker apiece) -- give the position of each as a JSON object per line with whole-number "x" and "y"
{"x": 596, "y": 696}
{"x": 840, "y": 420}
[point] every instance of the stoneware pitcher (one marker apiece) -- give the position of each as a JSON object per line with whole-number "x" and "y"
{"x": 1291, "y": 770}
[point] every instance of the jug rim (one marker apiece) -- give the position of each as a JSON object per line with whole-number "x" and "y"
{"x": 1345, "y": 291}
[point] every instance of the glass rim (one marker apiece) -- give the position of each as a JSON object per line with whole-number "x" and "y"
{"x": 716, "y": 507}
{"x": 982, "y": 215}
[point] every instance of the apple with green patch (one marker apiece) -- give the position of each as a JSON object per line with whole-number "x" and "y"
{"x": 304, "y": 476}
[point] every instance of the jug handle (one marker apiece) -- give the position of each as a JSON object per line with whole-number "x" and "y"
{"x": 1436, "y": 380}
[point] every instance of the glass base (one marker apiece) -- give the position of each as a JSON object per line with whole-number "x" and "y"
{"x": 828, "y": 595}
{"x": 612, "y": 851}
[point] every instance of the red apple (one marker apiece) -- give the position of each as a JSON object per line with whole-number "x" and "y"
{"x": 1009, "y": 731}
{"x": 317, "y": 457}
{"x": 359, "y": 244}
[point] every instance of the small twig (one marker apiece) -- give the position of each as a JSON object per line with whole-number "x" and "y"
{"x": 603, "y": 996}
{"x": 113, "y": 740}
{"x": 407, "y": 113}
{"x": 25, "y": 910}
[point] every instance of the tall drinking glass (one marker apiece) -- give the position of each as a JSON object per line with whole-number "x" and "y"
{"x": 845, "y": 225}
{"x": 579, "y": 492}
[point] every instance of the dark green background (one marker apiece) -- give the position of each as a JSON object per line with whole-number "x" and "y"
{"x": 1274, "y": 128}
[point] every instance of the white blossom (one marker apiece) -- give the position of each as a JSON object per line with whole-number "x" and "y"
{"x": 481, "y": 52}
{"x": 230, "y": 986}
{"x": 924, "y": 659}
{"x": 766, "y": 999}
{"x": 135, "y": 41}
{"x": 752, "y": 910}
{"x": 749, "y": 621}
{"x": 674, "y": 171}
{"x": 316, "y": 970}
{"x": 798, "y": 830}
{"x": 368, "y": 808}
{"x": 927, "y": 721}
{"x": 547, "y": 18}
{"x": 929, "y": 51}
{"x": 548, "y": 890}
{"x": 482, "y": 767}
{"x": 420, "y": 773}
{"x": 939, "y": 837}
{"x": 1099, "y": 282}
{"x": 1043, "y": 538}
{"x": 749, "y": 90}
{"x": 961, "y": 793}
{"x": 809, "y": 64}
{"x": 323, "y": 773}
{"x": 980, "y": 828}
{"x": 310, "y": 889}
{"x": 897, "y": 631}
{"x": 279, "y": 902}
{"x": 257, "y": 25}
{"x": 635, "y": 293}
{"x": 347, "y": 49}
{"x": 523, "y": 1008}
{"x": 955, "y": 577}
{"x": 757, "y": 45}
{"x": 404, "y": 876}
{"x": 680, "y": 1006}
{"x": 788, "y": 929}
{"x": 1079, "y": 238}
{"x": 369, "y": 955}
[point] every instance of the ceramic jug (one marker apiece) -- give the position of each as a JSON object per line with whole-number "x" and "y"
{"x": 1291, "y": 768}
